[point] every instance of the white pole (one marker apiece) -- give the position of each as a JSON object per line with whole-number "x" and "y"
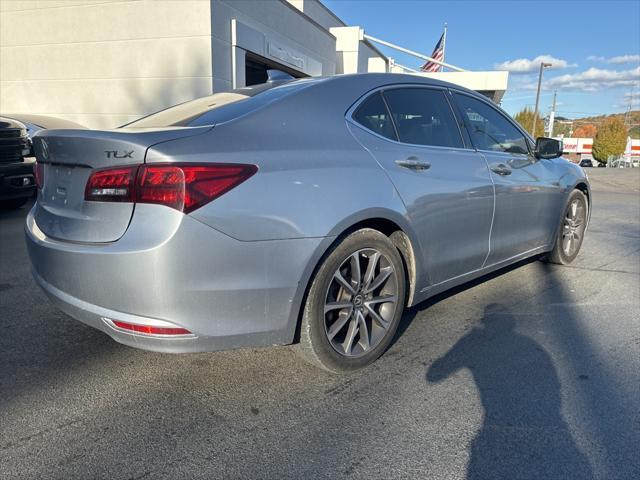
{"x": 444, "y": 44}
{"x": 411, "y": 52}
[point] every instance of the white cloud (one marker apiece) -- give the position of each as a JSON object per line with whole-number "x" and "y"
{"x": 591, "y": 80}
{"x": 595, "y": 79}
{"x": 525, "y": 65}
{"x": 618, "y": 60}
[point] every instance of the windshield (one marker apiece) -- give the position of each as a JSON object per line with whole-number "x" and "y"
{"x": 220, "y": 107}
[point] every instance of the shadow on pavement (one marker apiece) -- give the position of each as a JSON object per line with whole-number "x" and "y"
{"x": 523, "y": 429}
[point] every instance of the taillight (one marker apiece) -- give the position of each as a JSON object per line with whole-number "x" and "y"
{"x": 111, "y": 185}
{"x": 184, "y": 187}
{"x": 38, "y": 172}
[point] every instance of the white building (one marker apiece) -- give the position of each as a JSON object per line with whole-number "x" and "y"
{"x": 105, "y": 63}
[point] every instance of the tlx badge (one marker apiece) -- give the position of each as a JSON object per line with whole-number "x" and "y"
{"x": 117, "y": 154}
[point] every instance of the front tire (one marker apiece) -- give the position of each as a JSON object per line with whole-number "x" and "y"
{"x": 571, "y": 230}
{"x": 354, "y": 304}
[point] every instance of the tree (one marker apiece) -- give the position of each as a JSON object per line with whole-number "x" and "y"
{"x": 610, "y": 140}
{"x": 585, "y": 131}
{"x": 525, "y": 118}
{"x": 561, "y": 128}
{"x": 634, "y": 132}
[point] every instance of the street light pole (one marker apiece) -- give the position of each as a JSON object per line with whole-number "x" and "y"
{"x": 535, "y": 112}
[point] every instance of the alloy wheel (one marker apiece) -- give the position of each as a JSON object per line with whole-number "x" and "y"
{"x": 573, "y": 227}
{"x": 361, "y": 302}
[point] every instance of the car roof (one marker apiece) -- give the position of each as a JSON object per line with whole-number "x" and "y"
{"x": 391, "y": 78}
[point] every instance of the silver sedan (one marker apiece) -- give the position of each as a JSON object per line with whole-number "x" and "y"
{"x": 306, "y": 211}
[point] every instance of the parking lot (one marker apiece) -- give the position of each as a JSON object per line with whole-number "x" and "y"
{"x": 533, "y": 372}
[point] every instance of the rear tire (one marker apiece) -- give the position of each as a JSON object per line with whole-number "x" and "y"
{"x": 354, "y": 304}
{"x": 570, "y": 232}
{"x": 13, "y": 204}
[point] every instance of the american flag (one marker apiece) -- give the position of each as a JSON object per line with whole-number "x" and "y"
{"x": 438, "y": 54}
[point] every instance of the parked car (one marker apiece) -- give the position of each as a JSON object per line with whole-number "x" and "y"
{"x": 35, "y": 123}
{"x": 310, "y": 211}
{"x": 586, "y": 163}
{"x": 17, "y": 183}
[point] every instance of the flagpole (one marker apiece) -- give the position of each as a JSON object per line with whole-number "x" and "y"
{"x": 444, "y": 45}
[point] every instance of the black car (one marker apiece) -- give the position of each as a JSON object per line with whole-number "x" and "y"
{"x": 586, "y": 163}
{"x": 17, "y": 180}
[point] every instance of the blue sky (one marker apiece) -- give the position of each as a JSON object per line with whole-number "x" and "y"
{"x": 594, "y": 44}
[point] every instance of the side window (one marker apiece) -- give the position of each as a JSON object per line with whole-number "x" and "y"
{"x": 423, "y": 117}
{"x": 372, "y": 115}
{"x": 489, "y": 129}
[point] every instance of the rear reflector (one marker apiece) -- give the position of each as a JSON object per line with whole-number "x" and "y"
{"x": 184, "y": 187}
{"x": 149, "y": 330}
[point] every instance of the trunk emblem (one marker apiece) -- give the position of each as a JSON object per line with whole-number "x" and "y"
{"x": 119, "y": 154}
{"x": 61, "y": 191}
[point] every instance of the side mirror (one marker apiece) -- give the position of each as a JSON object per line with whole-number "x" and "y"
{"x": 547, "y": 148}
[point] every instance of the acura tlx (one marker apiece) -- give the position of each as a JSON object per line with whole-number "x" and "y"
{"x": 307, "y": 211}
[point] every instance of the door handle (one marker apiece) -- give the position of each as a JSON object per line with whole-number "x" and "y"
{"x": 413, "y": 163}
{"x": 500, "y": 169}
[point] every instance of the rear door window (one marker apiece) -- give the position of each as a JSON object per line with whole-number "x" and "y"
{"x": 373, "y": 115}
{"x": 422, "y": 116}
{"x": 489, "y": 129}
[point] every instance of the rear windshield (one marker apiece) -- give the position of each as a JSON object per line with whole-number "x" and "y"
{"x": 220, "y": 107}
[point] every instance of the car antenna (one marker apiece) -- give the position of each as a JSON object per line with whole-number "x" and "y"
{"x": 277, "y": 75}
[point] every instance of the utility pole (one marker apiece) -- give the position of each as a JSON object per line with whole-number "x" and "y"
{"x": 626, "y": 115}
{"x": 535, "y": 112}
{"x": 552, "y": 115}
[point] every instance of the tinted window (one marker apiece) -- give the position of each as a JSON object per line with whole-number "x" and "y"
{"x": 372, "y": 114}
{"x": 423, "y": 117}
{"x": 489, "y": 129}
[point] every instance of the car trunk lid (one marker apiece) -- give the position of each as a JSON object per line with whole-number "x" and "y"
{"x": 68, "y": 157}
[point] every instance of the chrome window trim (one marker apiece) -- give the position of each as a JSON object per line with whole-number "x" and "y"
{"x": 367, "y": 95}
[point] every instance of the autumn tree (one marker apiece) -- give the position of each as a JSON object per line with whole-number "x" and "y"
{"x": 610, "y": 140}
{"x": 585, "y": 131}
{"x": 634, "y": 132}
{"x": 525, "y": 118}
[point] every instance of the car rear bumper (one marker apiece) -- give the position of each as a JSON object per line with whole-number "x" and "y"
{"x": 170, "y": 269}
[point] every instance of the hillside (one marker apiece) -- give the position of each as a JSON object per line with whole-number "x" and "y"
{"x": 565, "y": 125}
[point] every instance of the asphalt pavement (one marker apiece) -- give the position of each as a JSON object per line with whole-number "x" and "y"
{"x": 530, "y": 373}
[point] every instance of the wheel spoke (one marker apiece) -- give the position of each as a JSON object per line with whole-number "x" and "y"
{"x": 364, "y": 332}
{"x": 337, "y": 306}
{"x": 371, "y": 269}
{"x": 381, "y": 299}
{"x": 379, "y": 280}
{"x": 355, "y": 271}
{"x": 566, "y": 243}
{"x": 574, "y": 209}
{"x": 347, "y": 345}
{"x": 338, "y": 325}
{"x": 344, "y": 283}
{"x": 377, "y": 318}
